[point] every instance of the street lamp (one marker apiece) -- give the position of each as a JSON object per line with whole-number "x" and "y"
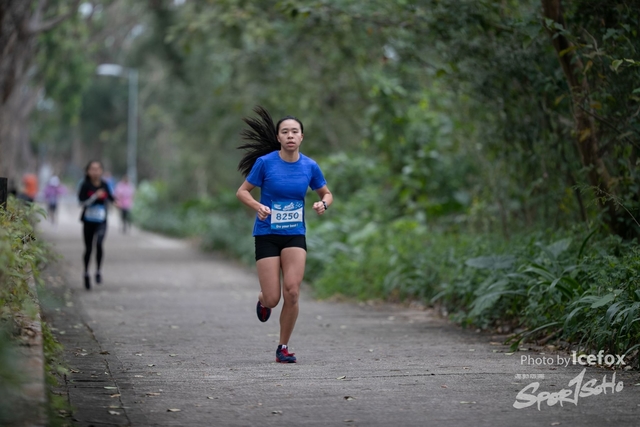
{"x": 132, "y": 125}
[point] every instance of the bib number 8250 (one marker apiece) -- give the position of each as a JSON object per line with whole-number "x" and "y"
{"x": 287, "y": 216}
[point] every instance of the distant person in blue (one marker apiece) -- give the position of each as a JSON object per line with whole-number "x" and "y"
{"x": 274, "y": 163}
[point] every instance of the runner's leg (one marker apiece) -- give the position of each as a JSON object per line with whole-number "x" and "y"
{"x": 293, "y": 260}
{"x": 269, "y": 276}
{"x": 88, "y": 232}
{"x": 100, "y": 233}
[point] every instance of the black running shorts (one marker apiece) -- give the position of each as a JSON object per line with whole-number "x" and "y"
{"x": 270, "y": 245}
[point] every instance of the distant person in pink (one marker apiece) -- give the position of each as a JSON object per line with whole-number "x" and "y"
{"x": 124, "y": 194}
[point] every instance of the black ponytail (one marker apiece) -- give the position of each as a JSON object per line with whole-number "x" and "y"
{"x": 262, "y": 139}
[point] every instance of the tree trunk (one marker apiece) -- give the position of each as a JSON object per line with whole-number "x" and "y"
{"x": 585, "y": 127}
{"x": 20, "y": 23}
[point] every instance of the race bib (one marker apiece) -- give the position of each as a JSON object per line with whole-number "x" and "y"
{"x": 95, "y": 213}
{"x": 287, "y": 215}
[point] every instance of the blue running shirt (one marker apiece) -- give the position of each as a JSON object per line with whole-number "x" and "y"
{"x": 283, "y": 186}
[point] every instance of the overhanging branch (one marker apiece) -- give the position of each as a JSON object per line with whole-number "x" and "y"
{"x": 37, "y": 26}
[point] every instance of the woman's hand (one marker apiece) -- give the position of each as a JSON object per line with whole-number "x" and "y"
{"x": 319, "y": 207}
{"x": 263, "y": 212}
{"x": 101, "y": 194}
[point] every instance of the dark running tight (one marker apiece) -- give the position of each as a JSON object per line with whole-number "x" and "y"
{"x": 97, "y": 231}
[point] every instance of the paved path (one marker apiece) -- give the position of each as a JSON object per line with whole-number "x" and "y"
{"x": 173, "y": 328}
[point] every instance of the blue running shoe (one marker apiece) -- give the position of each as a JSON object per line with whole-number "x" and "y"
{"x": 263, "y": 312}
{"x": 283, "y": 355}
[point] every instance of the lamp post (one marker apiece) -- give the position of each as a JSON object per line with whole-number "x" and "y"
{"x": 132, "y": 116}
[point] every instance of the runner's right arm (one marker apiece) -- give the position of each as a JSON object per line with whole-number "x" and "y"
{"x": 84, "y": 198}
{"x": 244, "y": 195}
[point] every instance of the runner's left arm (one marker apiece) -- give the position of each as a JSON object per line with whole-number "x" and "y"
{"x": 326, "y": 197}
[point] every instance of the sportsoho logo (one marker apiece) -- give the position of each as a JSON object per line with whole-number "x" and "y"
{"x": 577, "y": 387}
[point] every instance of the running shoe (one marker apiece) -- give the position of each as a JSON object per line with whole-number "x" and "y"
{"x": 87, "y": 281}
{"x": 263, "y": 312}
{"x": 283, "y": 355}
{"x": 98, "y": 278}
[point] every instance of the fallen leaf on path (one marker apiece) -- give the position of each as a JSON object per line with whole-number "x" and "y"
{"x": 349, "y": 398}
{"x": 468, "y": 403}
{"x": 138, "y": 376}
{"x": 174, "y": 410}
{"x": 210, "y": 397}
{"x": 151, "y": 364}
{"x": 75, "y": 371}
{"x": 115, "y": 395}
{"x": 152, "y": 394}
{"x": 465, "y": 367}
{"x": 276, "y": 412}
{"x": 114, "y": 413}
{"x": 104, "y": 352}
{"x": 508, "y": 354}
{"x": 342, "y": 377}
{"x": 111, "y": 388}
{"x": 173, "y": 355}
{"x": 138, "y": 354}
{"x": 114, "y": 406}
{"x": 555, "y": 423}
{"x": 444, "y": 386}
{"x": 494, "y": 343}
{"x": 472, "y": 349}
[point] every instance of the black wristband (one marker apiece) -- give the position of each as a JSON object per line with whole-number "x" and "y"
{"x": 325, "y": 205}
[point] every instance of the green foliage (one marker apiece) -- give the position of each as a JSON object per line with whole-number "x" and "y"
{"x": 58, "y": 407}
{"x": 218, "y": 223}
{"x": 21, "y": 255}
{"x": 566, "y": 284}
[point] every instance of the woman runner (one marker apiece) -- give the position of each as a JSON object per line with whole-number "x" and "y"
{"x": 93, "y": 195}
{"x": 274, "y": 163}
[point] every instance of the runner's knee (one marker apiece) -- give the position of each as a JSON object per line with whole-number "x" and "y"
{"x": 291, "y": 293}
{"x": 270, "y": 300}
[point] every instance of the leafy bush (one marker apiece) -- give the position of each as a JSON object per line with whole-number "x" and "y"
{"x": 570, "y": 285}
{"x": 20, "y": 257}
{"x": 220, "y": 223}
